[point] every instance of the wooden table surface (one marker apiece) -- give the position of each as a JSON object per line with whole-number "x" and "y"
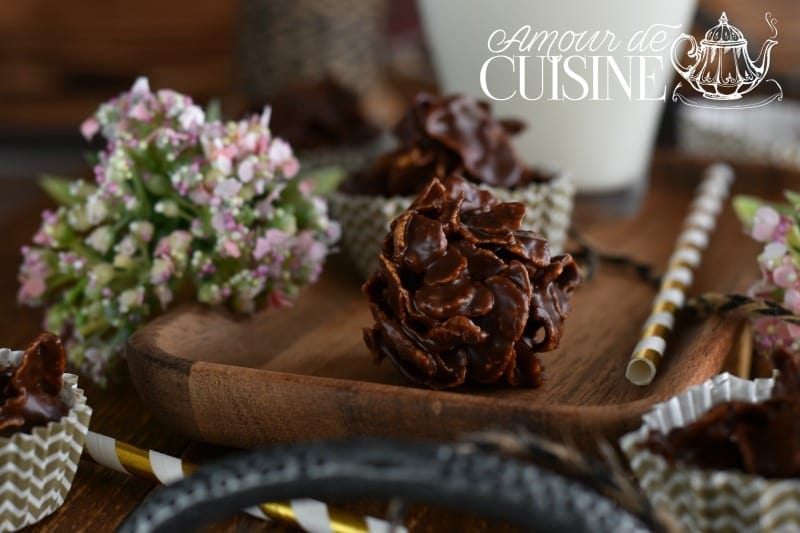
{"x": 100, "y": 498}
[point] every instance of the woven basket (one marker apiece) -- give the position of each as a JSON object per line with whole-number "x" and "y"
{"x": 365, "y": 219}
{"x": 766, "y": 134}
{"x": 37, "y": 468}
{"x": 287, "y": 40}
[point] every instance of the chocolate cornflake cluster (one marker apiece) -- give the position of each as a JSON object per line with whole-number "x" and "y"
{"x": 755, "y": 438}
{"x": 29, "y": 393}
{"x": 462, "y": 294}
{"x": 441, "y": 137}
{"x": 320, "y": 114}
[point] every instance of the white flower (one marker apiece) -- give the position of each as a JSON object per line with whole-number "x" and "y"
{"x": 101, "y": 239}
{"x": 130, "y": 299}
{"x": 227, "y": 188}
{"x": 168, "y": 208}
{"x": 126, "y": 247}
{"x": 279, "y": 152}
{"x": 191, "y": 116}
{"x": 101, "y": 275}
{"x": 161, "y": 271}
{"x": 247, "y": 169}
{"x": 249, "y": 141}
{"x": 143, "y": 230}
{"x": 164, "y": 295}
{"x": 774, "y": 251}
{"x": 223, "y": 163}
{"x": 131, "y": 203}
{"x": 96, "y": 209}
{"x": 265, "y": 116}
{"x": 141, "y": 87}
{"x": 76, "y": 217}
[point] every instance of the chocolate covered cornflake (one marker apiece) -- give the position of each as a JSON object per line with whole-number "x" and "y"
{"x": 442, "y": 136}
{"x": 463, "y": 294}
{"x": 29, "y": 392}
{"x": 755, "y": 438}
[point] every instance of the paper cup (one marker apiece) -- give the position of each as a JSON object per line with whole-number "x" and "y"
{"x": 709, "y": 500}
{"x": 365, "y": 219}
{"x": 37, "y": 468}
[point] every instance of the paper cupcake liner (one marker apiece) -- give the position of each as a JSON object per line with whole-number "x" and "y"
{"x": 365, "y": 219}
{"x": 37, "y": 468}
{"x": 708, "y": 500}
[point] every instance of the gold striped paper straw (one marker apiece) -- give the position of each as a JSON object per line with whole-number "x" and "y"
{"x": 311, "y": 515}
{"x": 697, "y": 227}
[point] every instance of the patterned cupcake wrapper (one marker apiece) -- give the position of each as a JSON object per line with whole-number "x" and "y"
{"x": 707, "y": 500}
{"x": 365, "y": 219}
{"x": 37, "y": 469}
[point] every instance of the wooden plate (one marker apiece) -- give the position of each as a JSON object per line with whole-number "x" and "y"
{"x": 304, "y": 372}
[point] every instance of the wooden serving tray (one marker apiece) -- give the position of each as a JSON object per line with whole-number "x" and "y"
{"x": 304, "y": 372}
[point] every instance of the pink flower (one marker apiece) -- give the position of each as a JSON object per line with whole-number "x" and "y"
{"x": 140, "y": 112}
{"x": 89, "y": 128}
{"x": 273, "y": 241}
{"x": 791, "y": 299}
{"x": 278, "y": 300}
{"x": 175, "y": 243}
{"x": 785, "y": 275}
{"x": 32, "y": 288}
{"x": 306, "y": 187}
{"x": 290, "y": 167}
{"x": 765, "y": 222}
{"x": 42, "y": 238}
{"x": 231, "y": 248}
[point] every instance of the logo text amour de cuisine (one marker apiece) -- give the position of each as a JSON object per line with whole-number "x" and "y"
{"x": 584, "y": 65}
{"x": 598, "y": 65}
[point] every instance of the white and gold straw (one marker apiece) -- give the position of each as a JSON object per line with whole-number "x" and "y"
{"x": 309, "y": 515}
{"x": 697, "y": 227}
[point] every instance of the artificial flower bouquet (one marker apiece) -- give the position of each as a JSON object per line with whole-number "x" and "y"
{"x": 181, "y": 203}
{"x": 778, "y": 227}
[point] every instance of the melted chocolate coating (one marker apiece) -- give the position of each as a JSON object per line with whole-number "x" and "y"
{"x": 462, "y": 294}
{"x": 30, "y": 391}
{"x": 755, "y": 438}
{"x": 320, "y": 114}
{"x": 441, "y": 137}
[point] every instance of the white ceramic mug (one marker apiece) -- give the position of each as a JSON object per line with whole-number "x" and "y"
{"x": 602, "y": 130}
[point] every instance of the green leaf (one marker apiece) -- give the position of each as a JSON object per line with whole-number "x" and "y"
{"x": 793, "y": 238}
{"x": 57, "y": 188}
{"x": 91, "y": 158}
{"x": 326, "y": 179}
{"x": 157, "y": 185}
{"x": 746, "y": 207}
{"x": 213, "y": 110}
{"x": 794, "y": 198}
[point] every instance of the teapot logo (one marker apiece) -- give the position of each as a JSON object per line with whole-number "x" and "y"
{"x": 722, "y": 70}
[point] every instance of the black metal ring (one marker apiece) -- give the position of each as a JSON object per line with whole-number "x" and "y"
{"x": 451, "y": 476}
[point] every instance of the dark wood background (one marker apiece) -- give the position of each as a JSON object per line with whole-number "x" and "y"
{"x": 59, "y": 59}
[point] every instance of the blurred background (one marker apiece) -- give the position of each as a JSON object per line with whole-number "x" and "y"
{"x": 59, "y": 60}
